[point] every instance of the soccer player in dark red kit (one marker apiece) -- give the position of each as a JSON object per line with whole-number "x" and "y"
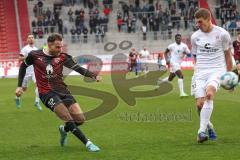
{"x": 236, "y": 46}
{"x": 48, "y": 66}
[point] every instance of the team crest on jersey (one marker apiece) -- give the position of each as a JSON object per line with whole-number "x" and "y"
{"x": 40, "y": 59}
{"x": 57, "y": 60}
{"x": 49, "y": 69}
{"x": 217, "y": 37}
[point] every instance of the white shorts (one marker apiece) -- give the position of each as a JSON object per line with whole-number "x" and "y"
{"x": 204, "y": 79}
{"x": 175, "y": 67}
{"x": 28, "y": 77}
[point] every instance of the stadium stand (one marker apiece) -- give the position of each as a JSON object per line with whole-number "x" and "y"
{"x": 94, "y": 23}
{"x": 9, "y": 39}
{"x": 23, "y": 19}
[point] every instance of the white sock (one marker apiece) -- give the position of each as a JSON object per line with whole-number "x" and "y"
{"x": 17, "y": 97}
{"x": 88, "y": 143}
{"x": 210, "y": 125}
{"x": 205, "y": 115}
{"x": 180, "y": 85}
{"x": 36, "y": 95}
{"x": 165, "y": 79}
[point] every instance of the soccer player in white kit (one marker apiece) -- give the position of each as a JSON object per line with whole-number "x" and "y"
{"x": 144, "y": 56}
{"x": 29, "y": 72}
{"x": 212, "y": 47}
{"x": 174, "y": 55}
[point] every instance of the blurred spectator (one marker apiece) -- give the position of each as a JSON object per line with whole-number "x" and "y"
{"x": 97, "y": 34}
{"x": 92, "y": 25}
{"x": 144, "y": 30}
{"x": 85, "y": 34}
{"x": 60, "y": 26}
{"x": 53, "y": 25}
{"x": 40, "y": 32}
{"x": 106, "y": 11}
{"x": 169, "y": 28}
{"x": 134, "y": 21}
{"x": 35, "y": 32}
{"x": 151, "y": 23}
{"x": 102, "y": 33}
{"x": 78, "y": 32}
{"x": 155, "y": 30}
{"x": 48, "y": 14}
{"x": 129, "y": 25}
{"x": 119, "y": 23}
{"x": 85, "y": 3}
{"x": 34, "y": 24}
{"x": 125, "y": 8}
{"x": 70, "y": 14}
{"x": 45, "y": 26}
{"x": 73, "y": 32}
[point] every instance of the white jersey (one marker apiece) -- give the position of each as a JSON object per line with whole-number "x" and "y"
{"x": 177, "y": 52}
{"x": 144, "y": 55}
{"x": 25, "y": 51}
{"x": 209, "y": 49}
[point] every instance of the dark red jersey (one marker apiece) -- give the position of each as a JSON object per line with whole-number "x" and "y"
{"x": 48, "y": 70}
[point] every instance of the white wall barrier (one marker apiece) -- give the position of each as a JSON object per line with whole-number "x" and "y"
{"x": 9, "y": 68}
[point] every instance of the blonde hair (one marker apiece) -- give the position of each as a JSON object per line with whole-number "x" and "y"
{"x": 202, "y": 13}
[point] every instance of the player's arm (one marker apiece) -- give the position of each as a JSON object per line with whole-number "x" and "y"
{"x": 166, "y": 55}
{"x": 22, "y": 71}
{"x": 21, "y": 58}
{"x": 227, "y": 44}
{"x": 69, "y": 63}
{"x": 193, "y": 49}
{"x": 21, "y": 55}
{"x": 228, "y": 58}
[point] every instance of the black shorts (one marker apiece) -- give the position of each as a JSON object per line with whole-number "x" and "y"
{"x": 52, "y": 99}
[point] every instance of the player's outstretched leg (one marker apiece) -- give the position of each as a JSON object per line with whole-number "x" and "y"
{"x": 92, "y": 147}
{"x": 18, "y": 102}
{"x": 211, "y": 132}
{"x": 63, "y": 136}
{"x": 37, "y": 103}
{"x": 70, "y": 125}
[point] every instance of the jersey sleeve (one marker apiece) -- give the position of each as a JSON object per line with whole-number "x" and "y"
{"x": 234, "y": 43}
{"x": 29, "y": 59}
{"x": 226, "y": 41}
{"x": 194, "y": 46}
{"x": 23, "y": 52}
{"x": 169, "y": 47}
{"x": 70, "y": 63}
{"x": 186, "y": 49}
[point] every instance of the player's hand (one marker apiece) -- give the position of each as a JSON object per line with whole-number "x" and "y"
{"x": 19, "y": 91}
{"x": 98, "y": 78}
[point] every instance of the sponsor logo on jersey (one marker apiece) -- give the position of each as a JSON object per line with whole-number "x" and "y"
{"x": 208, "y": 48}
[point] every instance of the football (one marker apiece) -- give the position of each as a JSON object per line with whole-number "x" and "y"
{"x": 229, "y": 80}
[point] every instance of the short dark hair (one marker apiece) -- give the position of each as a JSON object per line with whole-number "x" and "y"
{"x": 202, "y": 13}
{"x": 178, "y": 35}
{"x": 54, "y": 37}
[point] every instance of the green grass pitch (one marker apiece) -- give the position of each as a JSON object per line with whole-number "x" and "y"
{"x": 27, "y": 134}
